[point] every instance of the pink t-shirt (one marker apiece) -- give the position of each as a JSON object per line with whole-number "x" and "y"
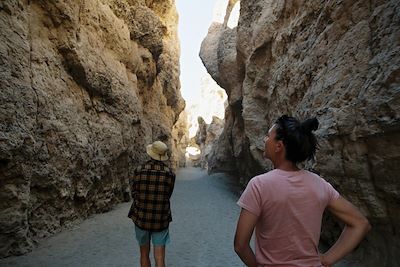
{"x": 289, "y": 206}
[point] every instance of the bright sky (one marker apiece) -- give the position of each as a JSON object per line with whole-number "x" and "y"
{"x": 202, "y": 94}
{"x": 194, "y": 19}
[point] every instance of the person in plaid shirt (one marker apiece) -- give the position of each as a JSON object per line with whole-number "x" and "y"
{"x": 151, "y": 188}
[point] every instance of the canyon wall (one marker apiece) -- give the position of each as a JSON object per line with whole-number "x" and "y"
{"x": 336, "y": 60}
{"x": 206, "y": 136}
{"x": 85, "y": 86}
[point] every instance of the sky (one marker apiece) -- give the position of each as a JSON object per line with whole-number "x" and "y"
{"x": 202, "y": 94}
{"x": 195, "y": 17}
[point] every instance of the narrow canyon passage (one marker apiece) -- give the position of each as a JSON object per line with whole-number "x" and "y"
{"x": 87, "y": 85}
{"x": 204, "y": 219}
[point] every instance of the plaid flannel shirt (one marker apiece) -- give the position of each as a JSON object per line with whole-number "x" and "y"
{"x": 151, "y": 188}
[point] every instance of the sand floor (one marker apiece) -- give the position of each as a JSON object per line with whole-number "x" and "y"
{"x": 204, "y": 214}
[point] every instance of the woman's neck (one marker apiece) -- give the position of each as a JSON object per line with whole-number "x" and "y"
{"x": 286, "y": 166}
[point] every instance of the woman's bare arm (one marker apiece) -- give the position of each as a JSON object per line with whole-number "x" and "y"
{"x": 357, "y": 226}
{"x": 244, "y": 230}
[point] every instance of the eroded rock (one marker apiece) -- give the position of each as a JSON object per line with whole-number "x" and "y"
{"x": 86, "y": 85}
{"x": 338, "y": 61}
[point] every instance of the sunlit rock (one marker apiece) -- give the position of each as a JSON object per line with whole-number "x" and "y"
{"x": 206, "y": 137}
{"x": 85, "y": 86}
{"x": 226, "y": 12}
{"x": 234, "y": 16}
{"x": 180, "y": 137}
{"x": 211, "y": 103}
{"x": 193, "y": 156}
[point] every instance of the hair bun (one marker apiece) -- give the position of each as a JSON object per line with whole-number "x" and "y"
{"x": 310, "y": 125}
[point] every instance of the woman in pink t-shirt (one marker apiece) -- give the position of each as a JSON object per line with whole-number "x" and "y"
{"x": 285, "y": 205}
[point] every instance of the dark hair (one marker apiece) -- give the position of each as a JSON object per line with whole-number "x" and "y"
{"x": 298, "y": 138}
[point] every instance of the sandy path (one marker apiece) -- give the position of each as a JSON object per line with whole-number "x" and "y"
{"x": 204, "y": 214}
{"x": 204, "y": 217}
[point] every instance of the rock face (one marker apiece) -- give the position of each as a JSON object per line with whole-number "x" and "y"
{"x": 210, "y": 103}
{"x": 337, "y": 60}
{"x": 206, "y": 137}
{"x": 85, "y": 85}
{"x": 206, "y": 119}
{"x": 181, "y": 140}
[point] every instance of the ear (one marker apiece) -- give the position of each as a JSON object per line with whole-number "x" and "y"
{"x": 279, "y": 146}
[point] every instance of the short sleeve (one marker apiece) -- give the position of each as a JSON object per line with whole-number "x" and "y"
{"x": 250, "y": 200}
{"x": 331, "y": 193}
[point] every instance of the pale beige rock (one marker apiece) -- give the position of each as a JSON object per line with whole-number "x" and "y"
{"x": 211, "y": 103}
{"x": 337, "y": 60}
{"x": 181, "y": 141}
{"x": 86, "y": 85}
{"x": 205, "y": 138}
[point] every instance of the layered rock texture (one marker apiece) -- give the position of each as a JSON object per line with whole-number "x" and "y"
{"x": 206, "y": 137}
{"x": 337, "y": 60}
{"x": 85, "y": 85}
{"x": 180, "y": 135}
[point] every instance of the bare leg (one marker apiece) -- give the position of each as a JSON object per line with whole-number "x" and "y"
{"x": 144, "y": 256}
{"x": 159, "y": 256}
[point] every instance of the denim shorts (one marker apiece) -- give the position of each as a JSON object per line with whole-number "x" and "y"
{"x": 157, "y": 238}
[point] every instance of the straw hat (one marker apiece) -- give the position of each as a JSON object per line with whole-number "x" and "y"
{"x": 158, "y": 151}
